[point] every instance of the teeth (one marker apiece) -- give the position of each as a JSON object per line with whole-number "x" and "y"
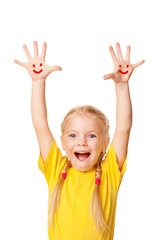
{"x": 81, "y": 152}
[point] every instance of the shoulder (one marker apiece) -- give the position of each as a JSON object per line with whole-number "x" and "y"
{"x": 111, "y": 169}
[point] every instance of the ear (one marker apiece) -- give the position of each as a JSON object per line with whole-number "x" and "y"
{"x": 63, "y": 143}
{"x": 105, "y": 144}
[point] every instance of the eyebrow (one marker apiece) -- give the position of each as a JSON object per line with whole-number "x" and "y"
{"x": 90, "y": 131}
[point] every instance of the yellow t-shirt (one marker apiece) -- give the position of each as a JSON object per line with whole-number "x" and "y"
{"x": 73, "y": 220}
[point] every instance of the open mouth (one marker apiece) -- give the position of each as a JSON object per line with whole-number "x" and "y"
{"x": 123, "y": 72}
{"x": 38, "y": 72}
{"x": 82, "y": 156}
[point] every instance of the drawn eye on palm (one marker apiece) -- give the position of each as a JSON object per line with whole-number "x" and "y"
{"x": 122, "y": 68}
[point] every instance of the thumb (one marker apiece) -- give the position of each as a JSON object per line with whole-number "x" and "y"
{"x": 108, "y": 76}
{"x": 55, "y": 68}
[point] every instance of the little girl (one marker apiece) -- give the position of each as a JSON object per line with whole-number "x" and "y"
{"x": 83, "y": 185}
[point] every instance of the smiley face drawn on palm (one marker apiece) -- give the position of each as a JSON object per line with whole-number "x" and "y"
{"x": 36, "y": 66}
{"x": 122, "y": 68}
{"x": 35, "y": 71}
{"x": 122, "y": 72}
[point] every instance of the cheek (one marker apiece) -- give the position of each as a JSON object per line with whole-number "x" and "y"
{"x": 68, "y": 146}
{"x": 97, "y": 147}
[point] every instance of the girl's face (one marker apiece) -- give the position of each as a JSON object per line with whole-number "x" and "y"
{"x": 83, "y": 141}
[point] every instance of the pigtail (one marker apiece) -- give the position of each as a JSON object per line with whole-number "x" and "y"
{"x": 95, "y": 206}
{"x": 56, "y": 193}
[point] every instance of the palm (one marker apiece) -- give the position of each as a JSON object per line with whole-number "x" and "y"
{"x": 36, "y": 66}
{"x": 122, "y": 68}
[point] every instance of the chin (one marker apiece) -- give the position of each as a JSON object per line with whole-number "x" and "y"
{"x": 82, "y": 168}
{"x": 83, "y": 165}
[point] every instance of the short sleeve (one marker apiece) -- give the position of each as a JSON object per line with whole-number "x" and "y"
{"x": 114, "y": 174}
{"x": 53, "y": 165}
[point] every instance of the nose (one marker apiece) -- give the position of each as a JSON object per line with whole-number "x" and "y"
{"x": 82, "y": 141}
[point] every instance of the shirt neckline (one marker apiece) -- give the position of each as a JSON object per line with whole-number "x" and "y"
{"x": 76, "y": 172}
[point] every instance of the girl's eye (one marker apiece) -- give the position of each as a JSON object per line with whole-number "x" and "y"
{"x": 72, "y": 135}
{"x": 92, "y": 136}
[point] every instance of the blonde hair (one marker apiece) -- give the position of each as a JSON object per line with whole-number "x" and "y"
{"x": 95, "y": 206}
{"x": 90, "y": 111}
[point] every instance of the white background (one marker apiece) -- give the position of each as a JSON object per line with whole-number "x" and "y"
{"x": 78, "y": 34}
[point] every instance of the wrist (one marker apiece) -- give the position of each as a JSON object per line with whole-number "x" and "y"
{"x": 38, "y": 81}
{"x": 121, "y": 85}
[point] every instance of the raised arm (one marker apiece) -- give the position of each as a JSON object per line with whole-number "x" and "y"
{"x": 39, "y": 71}
{"x": 39, "y": 117}
{"x": 121, "y": 75}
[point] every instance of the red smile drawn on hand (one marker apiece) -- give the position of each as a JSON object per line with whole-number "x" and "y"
{"x": 123, "y": 72}
{"x": 37, "y": 72}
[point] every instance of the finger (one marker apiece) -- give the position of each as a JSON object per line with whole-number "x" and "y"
{"x": 55, "y": 68}
{"x": 119, "y": 53}
{"x": 108, "y": 76}
{"x": 27, "y": 52}
{"x": 43, "y": 53}
{"x": 128, "y": 53}
{"x": 113, "y": 55}
{"x": 35, "y": 49}
{"x": 20, "y": 63}
{"x": 138, "y": 64}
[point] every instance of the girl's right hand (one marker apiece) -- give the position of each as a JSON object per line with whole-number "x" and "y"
{"x": 36, "y": 67}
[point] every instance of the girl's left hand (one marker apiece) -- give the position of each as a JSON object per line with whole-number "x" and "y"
{"x": 122, "y": 68}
